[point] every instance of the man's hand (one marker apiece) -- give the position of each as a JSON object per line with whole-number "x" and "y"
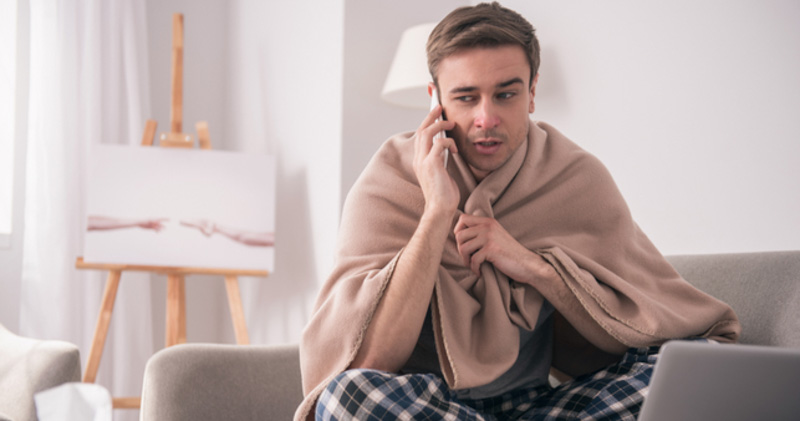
{"x": 438, "y": 188}
{"x": 481, "y": 239}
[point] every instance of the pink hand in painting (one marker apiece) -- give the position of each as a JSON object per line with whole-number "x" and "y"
{"x": 204, "y": 225}
{"x": 250, "y": 238}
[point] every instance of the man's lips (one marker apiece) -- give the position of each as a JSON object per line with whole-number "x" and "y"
{"x": 487, "y": 146}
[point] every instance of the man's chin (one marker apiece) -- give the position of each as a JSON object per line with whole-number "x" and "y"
{"x": 482, "y": 167}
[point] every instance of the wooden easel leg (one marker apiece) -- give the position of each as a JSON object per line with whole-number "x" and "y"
{"x": 237, "y": 311}
{"x": 203, "y": 137}
{"x": 176, "y": 310}
{"x": 101, "y": 329}
{"x": 126, "y": 403}
{"x": 182, "y": 311}
{"x": 149, "y": 134}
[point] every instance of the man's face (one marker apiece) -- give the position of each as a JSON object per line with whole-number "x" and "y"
{"x": 486, "y": 92}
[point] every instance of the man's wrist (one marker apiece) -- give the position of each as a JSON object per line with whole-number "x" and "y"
{"x": 536, "y": 272}
{"x": 544, "y": 274}
{"x": 435, "y": 225}
{"x": 438, "y": 216}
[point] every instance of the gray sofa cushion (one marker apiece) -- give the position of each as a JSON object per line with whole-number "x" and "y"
{"x": 763, "y": 289}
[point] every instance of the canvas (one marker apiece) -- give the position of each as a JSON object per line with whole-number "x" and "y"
{"x": 180, "y": 207}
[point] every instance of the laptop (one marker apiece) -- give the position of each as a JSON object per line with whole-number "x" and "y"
{"x": 732, "y": 382}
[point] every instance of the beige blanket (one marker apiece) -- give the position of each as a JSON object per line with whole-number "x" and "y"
{"x": 558, "y": 201}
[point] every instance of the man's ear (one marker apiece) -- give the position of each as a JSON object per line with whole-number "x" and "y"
{"x": 431, "y": 87}
{"x": 532, "y": 105}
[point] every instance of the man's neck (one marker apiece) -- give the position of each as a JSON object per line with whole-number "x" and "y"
{"x": 478, "y": 174}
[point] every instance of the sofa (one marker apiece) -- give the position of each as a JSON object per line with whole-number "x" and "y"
{"x": 29, "y": 366}
{"x": 212, "y": 381}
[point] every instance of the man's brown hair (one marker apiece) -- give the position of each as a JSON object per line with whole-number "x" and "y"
{"x": 481, "y": 26}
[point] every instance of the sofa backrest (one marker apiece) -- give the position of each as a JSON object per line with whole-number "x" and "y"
{"x": 201, "y": 381}
{"x": 762, "y": 288}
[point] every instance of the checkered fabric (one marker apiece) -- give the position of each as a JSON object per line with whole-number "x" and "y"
{"x": 613, "y": 393}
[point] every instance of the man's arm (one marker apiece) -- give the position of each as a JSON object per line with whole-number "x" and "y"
{"x": 395, "y": 327}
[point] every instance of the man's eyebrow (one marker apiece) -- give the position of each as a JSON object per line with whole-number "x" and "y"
{"x": 463, "y": 89}
{"x": 510, "y": 82}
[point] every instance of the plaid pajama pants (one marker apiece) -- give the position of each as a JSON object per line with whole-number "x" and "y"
{"x": 613, "y": 393}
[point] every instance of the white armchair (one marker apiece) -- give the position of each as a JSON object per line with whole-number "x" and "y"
{"x": 29, "y": 366}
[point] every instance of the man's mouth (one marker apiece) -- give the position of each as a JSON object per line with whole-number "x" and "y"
{"x": 488, "y": 146}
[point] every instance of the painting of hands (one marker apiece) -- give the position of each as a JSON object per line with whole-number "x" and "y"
{"x": 177, "y": 207}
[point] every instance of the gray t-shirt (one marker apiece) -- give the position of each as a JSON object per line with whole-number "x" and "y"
{"x": 530, "y": 370}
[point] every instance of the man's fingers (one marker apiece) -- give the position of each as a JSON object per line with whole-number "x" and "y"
{"x": 475, "y": 237}
{"x": 435, "y": 113}
{"x": 468, "y": 220}
{"x": 442, "y": 143}
{"x": 465, "y": 237}
{"x": 460, "y": 226}
{"x": 431, "y": 126}
{"x": 469, "y": 244}
{"x": 465, "y": 253}
{"x": 476, "y": 260}
{"x": 427, "y": 142}
{"x": 423, "y": 135}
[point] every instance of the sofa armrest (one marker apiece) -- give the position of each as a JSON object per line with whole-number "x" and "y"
{"x": 213, "y": 381}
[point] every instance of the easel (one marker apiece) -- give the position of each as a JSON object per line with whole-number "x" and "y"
{"x": 176, "y": 276}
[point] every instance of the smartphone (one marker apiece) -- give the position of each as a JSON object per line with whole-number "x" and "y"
{"x": 441, "y": 134}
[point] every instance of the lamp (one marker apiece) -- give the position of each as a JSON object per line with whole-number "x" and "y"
{"x": 408, "y": 78}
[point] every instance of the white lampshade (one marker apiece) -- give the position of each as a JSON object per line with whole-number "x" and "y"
{"x": 407, "y": 82}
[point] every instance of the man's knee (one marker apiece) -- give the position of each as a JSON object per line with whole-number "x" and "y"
{"x": 358, "y": 380}
{"x": 346, "y": 394}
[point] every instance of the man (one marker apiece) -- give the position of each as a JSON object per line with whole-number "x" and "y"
{"x": 458, "y": 288}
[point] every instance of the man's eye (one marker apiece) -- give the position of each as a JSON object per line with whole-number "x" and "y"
{"x": 465, "y": 98}
{"x": 505, "y": 95}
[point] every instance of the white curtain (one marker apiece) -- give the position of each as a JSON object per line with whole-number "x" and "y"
{"x": 88, "y": 85}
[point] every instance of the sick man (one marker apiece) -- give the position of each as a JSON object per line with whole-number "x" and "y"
{"x": 458, "y": 289}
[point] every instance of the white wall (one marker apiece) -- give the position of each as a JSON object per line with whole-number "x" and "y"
{"x": 693, "y": 106}
{"x": 267, "y": 82}
{"x": 285, "y": 96}
{"x": 372, "y": 32}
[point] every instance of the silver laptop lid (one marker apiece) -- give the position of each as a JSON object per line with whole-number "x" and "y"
{"x": 708, "y": 381}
